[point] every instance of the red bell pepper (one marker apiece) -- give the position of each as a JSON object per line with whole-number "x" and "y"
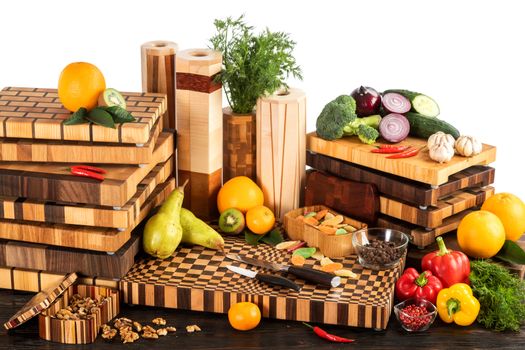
{"x": 449, "y": 266}
{"x": 414, "y": 285}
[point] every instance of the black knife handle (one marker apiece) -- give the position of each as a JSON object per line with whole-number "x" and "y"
{"x": 315, "y": 276}
{"x": 277, "y": 280}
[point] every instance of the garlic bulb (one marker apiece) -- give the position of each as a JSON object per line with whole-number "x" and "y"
{"x": 440, "y": 137}
{"x": 468, "y": 146}
{"x": 441, "y": 152}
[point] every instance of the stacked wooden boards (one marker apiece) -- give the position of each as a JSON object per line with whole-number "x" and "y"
{"x": 54, "y": 221}
{"x": 417, "y": 195}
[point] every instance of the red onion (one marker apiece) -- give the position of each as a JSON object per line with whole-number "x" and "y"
{"x": 367, "y": 101}
{"x": 394, "y": 127}
{"x": 395, "y": 103}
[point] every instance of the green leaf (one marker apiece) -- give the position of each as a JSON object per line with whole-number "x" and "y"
{"x": 512, "y": 253}
{"x": 310, "y": 214}
{"x": 251, "y": 238}
{"x": 305, "y": 252}
{"x": 273, "y": 237}
{"x": 119, "y": 114}
{"x": 79, "y": 117}
{"x": 100, "y": 117}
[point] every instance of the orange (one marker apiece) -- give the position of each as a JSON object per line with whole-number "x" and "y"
{"x": 239, "y": 192}
{"x": 260, "y": 219}
{"x": 80, "y": 84}
{"x": 510, "y": 210}
{"x": 244, "y": 316}
{"x": 481, "y": 234}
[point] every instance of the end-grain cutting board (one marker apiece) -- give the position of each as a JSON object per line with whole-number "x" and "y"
{"x": 33, "y": 113}
{"x": 53, "y": 182}
{"x": 196, "y": 278}
{"x": 419, "y": 168}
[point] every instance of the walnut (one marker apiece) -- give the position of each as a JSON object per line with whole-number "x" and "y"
{"x": 171, "y": 329}
{"x": 108, "y": 332}
{"x": 149, "y": 329}
{"x": 159, "y": 321}
{"x": 137, "y": 326}
{"x": 193, "y": 328}
{"x": 162, "y": 331}
{"x": 150, "y": 335}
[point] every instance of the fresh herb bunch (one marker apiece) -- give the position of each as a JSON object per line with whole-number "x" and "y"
{"x": 253, "y": 65}
{"x": 500, "y": 294}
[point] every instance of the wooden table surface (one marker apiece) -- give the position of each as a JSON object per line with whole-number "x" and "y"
{"x": 217, "y": 333}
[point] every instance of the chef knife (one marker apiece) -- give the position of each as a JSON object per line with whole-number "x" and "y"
{"x": 267, "y": 278}
{"x": 315, "y": 276}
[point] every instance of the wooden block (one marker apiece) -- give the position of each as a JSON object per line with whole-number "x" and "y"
{"x": 196, "y": 278}
{"x": 419, "y": 168}
{"x": 201, "y": 190}
{"x": 81, "y": 237}
{"x": 239, "y": 145}
{"x": 433, "y": 216}
{"x": 42, "y": 117}
{"x": 414, "y": 192}
{"x": 281, "y": 141}
{"x": 354, "y": 199}
{"x": 53, "y": 182}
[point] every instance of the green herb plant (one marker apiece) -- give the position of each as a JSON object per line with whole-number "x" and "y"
{"x": 253, "y": 64}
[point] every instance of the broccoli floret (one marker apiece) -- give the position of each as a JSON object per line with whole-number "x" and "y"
{"x": 372, "y": 121}
{"x": 334, "y": 116}
{"x": 367, "y": 134}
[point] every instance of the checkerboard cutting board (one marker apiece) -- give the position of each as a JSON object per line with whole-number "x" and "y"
{"x": 196, "y": 278}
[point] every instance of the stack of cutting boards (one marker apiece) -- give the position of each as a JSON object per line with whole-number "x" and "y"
{"x": 416, "y": 195}
{"x": 54, "y": 221}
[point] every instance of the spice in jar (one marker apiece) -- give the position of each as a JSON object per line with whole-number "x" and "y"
{"x": 415, "y": 317}
{"x": 379, "y": 252}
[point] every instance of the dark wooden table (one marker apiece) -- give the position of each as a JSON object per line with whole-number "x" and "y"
{"x": 217, "y": 333}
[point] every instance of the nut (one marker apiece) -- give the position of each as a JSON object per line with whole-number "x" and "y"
{"x": 137, "y": 326}
{"x": 193, "y": 328}
{"x": 150, "y": 335}
{"x": 171, "y": 329}
{"x": 162, "y": 331}
{"x": 159, "y": 321}
{"x": 80, "y": 308}
{"x": 108, "y": 332}
{"x": 129, "y": 337}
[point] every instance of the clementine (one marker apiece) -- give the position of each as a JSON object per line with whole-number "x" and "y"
{"x": 260, "y": 219}
{"x": 510, "y": 210}
{"x": 80, "y": 85}
{"x": 244, "y": 316}
{"x": 481, "y": 234}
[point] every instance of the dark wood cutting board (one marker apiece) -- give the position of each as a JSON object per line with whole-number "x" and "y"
{"x": 354, "y": 199}
{"x": 397, "y": 187}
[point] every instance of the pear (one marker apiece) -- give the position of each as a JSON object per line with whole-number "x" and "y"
{"x": 197, "y": 232}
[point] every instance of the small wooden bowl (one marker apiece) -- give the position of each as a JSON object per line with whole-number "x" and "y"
{"x": 78, "y": 331}
{"x": 332, "y": 246}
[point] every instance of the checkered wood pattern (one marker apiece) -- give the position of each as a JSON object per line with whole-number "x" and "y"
{"x": 38, "y": 114}
{"x": 196, "y": 278}
{"x": 239, "y": 145}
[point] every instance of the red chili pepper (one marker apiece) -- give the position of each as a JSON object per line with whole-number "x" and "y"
{"x": 86, "y": 173}
{"x": 90, "y": 168}
{"x": 390, "y": 149}
{"x": 406, "y": 154}
{"x": 450, "y": 266}
{"x": 411, "y": 284}
{"x": 331, "y": 337}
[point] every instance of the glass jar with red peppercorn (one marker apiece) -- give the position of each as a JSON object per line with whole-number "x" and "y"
{"x": 415, "y": 315}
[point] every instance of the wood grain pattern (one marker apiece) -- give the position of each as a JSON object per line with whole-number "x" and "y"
{"x": 239, "y": 145}
{"x": 196, "y": 278}
{"x": 201, "y": 191}
{"x": 281, "y": 142}
{"x": 419, "y": 168}
{"x": 433, "y": 216}
{"x": 53, "y": 182}
{"x": 400, "y": 188}
{"x": 82, "y": 214}
{"x": 81, "y": 237}
{"x": 38, "y": 114}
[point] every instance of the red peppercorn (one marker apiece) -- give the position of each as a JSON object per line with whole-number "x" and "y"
{"x": 413, "y": 317}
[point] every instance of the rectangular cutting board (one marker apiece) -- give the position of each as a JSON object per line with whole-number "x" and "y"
{"x": 196, "y": 278}
{"x": 33, "y": 113}
{"x": 433, "y": 216}
{"x": 53, "y": 182}
{"x": 419, "y": 168}
{"x": 86, "y": 215}
{"x": 410, "y": 191}
{"x": 81, "y": 237}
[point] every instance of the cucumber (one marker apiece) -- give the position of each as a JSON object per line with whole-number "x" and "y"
{"x": 421, "y": 126}
{"x": 421, "y": 103}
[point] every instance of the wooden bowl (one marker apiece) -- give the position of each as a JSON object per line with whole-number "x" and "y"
{"x": 331, "y": 246}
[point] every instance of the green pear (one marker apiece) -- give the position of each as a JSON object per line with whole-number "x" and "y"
{"x": 196, "y": 231}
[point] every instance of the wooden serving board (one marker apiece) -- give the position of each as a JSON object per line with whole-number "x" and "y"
{"x": 81, "y": 237}
{"x": 414, "y": 192}
{"x": 433, "y": 217}
{"x": 53, "y": 182}
{"x": 33, "y": 113}
{"x": 419, "y": 168}
{"x": 86, "y": 215}
{"x": 196, "y": 278}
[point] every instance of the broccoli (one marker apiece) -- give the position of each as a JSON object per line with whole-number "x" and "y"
{"x": 372, "y": 121}
{"x": 367, "y": 134}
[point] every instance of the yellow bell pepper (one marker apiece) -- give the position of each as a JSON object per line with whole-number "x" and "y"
{"x": 457, "y": 304}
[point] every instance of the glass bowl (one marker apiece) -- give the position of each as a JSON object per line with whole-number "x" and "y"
{"x": 415, "y": 323}
{"x": 379, "y": 248}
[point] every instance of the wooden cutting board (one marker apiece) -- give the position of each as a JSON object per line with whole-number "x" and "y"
{"x": 33, "y": 113}
{"x": 354, "y": 199}
{"x": 196, "y": 278}
{"x": 86, "y": 215}
{"x": 419, "y": 168}
{"x": 433, "y": 217}
{"x": 416, "y": 193}
{"x": 53, "y": 182}
{"x": 27, "y": 150}
{"x": 81, "y": 237}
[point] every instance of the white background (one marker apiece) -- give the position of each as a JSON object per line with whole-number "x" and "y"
{"x": 467, "y": 55}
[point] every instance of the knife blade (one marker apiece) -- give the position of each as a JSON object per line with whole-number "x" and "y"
{"x": 315, "y": 276}
{"x": 267, "y": 278}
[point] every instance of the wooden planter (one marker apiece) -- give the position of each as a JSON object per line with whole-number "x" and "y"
{"x": 239, "y": 145}
{"x": 78, "y": 331}
{"x": 331, "y": 246}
